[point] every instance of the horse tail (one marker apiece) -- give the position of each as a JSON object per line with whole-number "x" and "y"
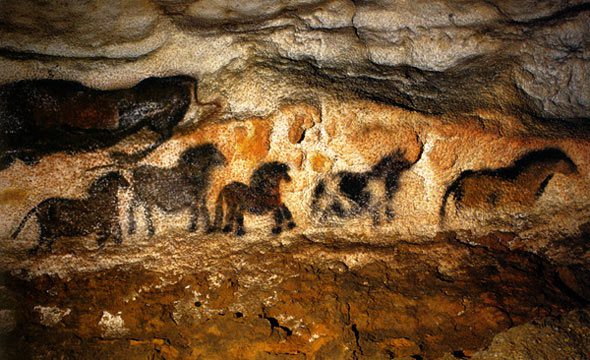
{"x": 24, "y": 221}
{"x": 443, "y": 206}
{"x": 421, "y": 151}
{"x": 453, "y": 189}
{"x": 218, "y": 211}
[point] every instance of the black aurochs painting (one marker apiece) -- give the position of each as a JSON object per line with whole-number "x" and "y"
{"x": 40, "y": 117}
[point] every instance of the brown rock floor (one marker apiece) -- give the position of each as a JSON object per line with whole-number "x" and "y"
{"x": 295, "y": 297}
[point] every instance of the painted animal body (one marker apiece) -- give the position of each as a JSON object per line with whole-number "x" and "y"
{"x": 523, "y": 182}
{"x": 260, "y": 197}
{"x": 39, "y": 117}
{"x": 96, "y": 213}
{"x": 347, "y": 194}
{"x": 178, "y": 188}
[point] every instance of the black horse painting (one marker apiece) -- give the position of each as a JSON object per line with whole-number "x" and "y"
{"x": 95, "y": 213}
{"x": 260, "y": 197}
{"x": 40, "y": 117}
{"x": 181, "y": 187}
{"x": 349, "y": 194}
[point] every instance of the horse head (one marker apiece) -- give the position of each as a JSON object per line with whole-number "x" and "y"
{"x": 280, "y": 171}
{"x": 269, "y": 175}
{"x": 551, "y": 159}
{"x": 566, "y": 167}
{"x": 108, "y": 183}
{"x": 393, "y": 162}
{"x": 203, "y": 156}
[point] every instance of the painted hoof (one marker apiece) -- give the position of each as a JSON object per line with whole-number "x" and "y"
{"x": 390, "y": 215}
{"x": 291, "y": 225}
{"x": 240, "y": 232}
{"x": 277, "y": 230}
{"x": 226, "y": 229}
{"x": 210, "y": 230}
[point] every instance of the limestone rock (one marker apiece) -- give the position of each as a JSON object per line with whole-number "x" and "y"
{"x": 326, "y": 179}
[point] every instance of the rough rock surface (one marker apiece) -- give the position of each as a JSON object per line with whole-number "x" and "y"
{"x": 439, "y": 153}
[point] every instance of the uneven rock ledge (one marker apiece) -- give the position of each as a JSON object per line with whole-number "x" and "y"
{"x": 415, "y": 178}
{"x": 295, "y": 297}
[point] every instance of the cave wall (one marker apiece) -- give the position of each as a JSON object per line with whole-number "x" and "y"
{"x": 438, "y": 154}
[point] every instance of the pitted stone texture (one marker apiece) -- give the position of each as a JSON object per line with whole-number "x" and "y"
{"x": 420, "y": 52}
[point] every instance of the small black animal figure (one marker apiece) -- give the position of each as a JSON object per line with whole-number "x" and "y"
{"x": 261, "y": 197}
{"x": 178, "y": 188}
{"x": 353, "y": 193}
{"x": 39, "y": 117}
{"x": 523, "y": 182}
{"x": 96, "y": 213}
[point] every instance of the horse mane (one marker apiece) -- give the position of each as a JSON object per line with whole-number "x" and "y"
{"x": 394, "y": 161}
{"x": 547, "y": 156}
{"x": 103, "y": 183}
{"x": 266, "y": 173}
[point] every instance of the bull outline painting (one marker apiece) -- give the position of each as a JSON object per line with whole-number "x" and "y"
{"x": 536, "y": 168}
{"x": 40, "y": 117}
{"x": 357, "y": 190}
{"x": 95, "y": 213}
{"x": 262, "y": 196}
{"x": 181, "y": 187}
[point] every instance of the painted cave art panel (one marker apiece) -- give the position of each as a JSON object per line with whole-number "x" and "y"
{"x": 61, "y": 116}
{"x": 40, "y": 117}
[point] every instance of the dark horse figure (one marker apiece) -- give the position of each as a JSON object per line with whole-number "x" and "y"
{"x": 523, "y": 182}
{"x": 40, "y": 117}
{"x": 348, "y": 193}
{"x": 183, "y": 186}
{"x": 95, "y": 213}
{"x": 260, "y": 197}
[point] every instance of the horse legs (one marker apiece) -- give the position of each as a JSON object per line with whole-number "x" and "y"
{"x": 115, "y": 231}
{"x": 131, "y": 215}
{"x": 148, "y": 219}
{"x": 193, "y": 224}
{"x": 230, "y": 216}
{"x": 240, "y": 223}
{"x": 278, "y": 215}
{"x": 102, "y": 239}
{"x": 45, "y": 238}
{"x": 205, "y": 215}
{"x": 288, "y": 216}
{"x": 391, "y": 187}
